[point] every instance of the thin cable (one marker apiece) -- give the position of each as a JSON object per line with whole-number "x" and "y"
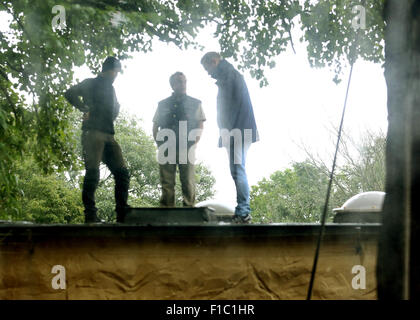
{"x": 324, "y": 213}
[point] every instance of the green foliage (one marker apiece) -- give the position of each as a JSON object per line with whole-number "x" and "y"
{"x": 204, "y": 183}
{"x": 11, "y": 144}
{"x": 45, "y": 198}
{"x": 298, "y": 194}
{"x": 255, "y": 32}
{"x": 139, "y": 151}
{"x": 331, "y": 37}
{"x": 292, "y": 195}
{"x": 49, "y": 199}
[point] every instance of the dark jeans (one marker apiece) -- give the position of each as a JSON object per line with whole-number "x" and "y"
{"x": 99, "y": 146}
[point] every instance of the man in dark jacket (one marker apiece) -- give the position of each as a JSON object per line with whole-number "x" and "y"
{"x": 236, "y": 121}
{"x": 100, "y": 107}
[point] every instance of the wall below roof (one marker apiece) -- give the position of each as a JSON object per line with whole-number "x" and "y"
{"x": 185, "y": 262}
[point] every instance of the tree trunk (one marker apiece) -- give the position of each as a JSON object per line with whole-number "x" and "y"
{"x": 398, "y": 262}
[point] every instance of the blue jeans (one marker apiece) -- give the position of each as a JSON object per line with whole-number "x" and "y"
{"x": 237, "y": 160}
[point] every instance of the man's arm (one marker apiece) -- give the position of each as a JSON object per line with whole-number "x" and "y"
{"x": 73, "y": 96}
{"x": 155, "y": 130}
{"x": 236, "y": 87}
{"x": 200, "y": 117}
{"x": 200, "y": 126}
{"x": 156, "y": 121}
{"x": 116, "y": 106}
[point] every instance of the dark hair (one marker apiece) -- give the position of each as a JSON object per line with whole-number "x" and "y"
{"x": 172, "y": 77}
{"x": 111, "y": 63}
{"x": 209, "y": 56}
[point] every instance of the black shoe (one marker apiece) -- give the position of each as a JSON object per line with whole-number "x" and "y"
{"x": 241, "y": 219}
{"x": 121, "y": 213}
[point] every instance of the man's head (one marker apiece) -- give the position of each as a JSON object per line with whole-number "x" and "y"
{"x": 210, "y": 61}
{"x": 178, "y": 83}
{"x": 111, "y": 67}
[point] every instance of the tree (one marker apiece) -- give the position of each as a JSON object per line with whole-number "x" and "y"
{"x": 360, "y": 165}
{"x": 292, "y": 195}
{"x": 334, "y": 36}
{"x": 362, "y": 171}
{"x": 37, "y": 60}
{"x": 45, "y": 198}
{"x": 298, "y": 194}
{"x": 398, "y": 262}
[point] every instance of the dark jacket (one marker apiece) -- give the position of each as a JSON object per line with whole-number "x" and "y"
{"x": 99, "y": 97}
{"x": 234, "y": 107}
{"x": 174, "y": 109}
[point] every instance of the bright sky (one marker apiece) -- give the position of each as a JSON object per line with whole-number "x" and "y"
{"x": 297, "y": 108}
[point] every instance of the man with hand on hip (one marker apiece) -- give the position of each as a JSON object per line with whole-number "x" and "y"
{"x": 100, "y": 107}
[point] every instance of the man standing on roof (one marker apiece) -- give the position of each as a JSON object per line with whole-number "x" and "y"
{"x": 236, "y": 121}
{"x": 180, "y": 118}
{"x": 100, "y": 107}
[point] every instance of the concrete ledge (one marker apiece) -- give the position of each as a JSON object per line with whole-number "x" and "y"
{"x": 118, "y": 261}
